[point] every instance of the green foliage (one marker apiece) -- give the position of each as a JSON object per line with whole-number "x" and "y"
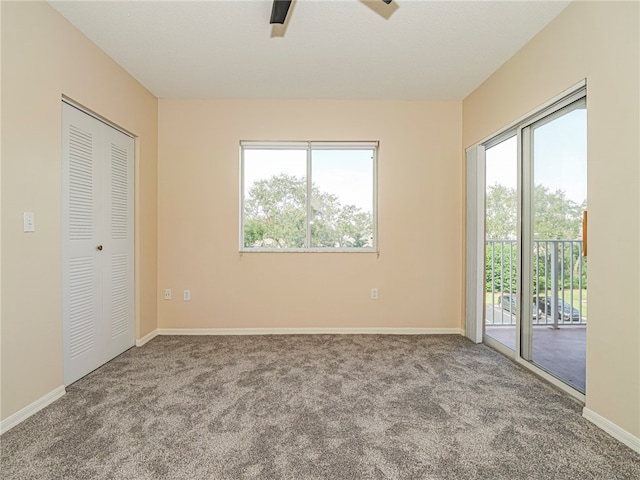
{"x": 275, "y": 214}
{"x": 501, "y": 212}
{"x": 568, "y": 269}
{"x": 556, "y": 217}
{"x": 501, "y": 262}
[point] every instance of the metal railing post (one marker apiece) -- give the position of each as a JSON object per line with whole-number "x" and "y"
{"x": 550, "y": 273}
{"x": 554, "y": 283}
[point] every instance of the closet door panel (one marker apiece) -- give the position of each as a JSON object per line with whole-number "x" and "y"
{"x": 118, "y": 266}
{"x": 81, "y": 280}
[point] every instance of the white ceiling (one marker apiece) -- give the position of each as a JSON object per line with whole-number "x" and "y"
{"x": 432, "y": 50}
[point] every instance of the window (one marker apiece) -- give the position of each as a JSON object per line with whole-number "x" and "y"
{"x": 308, "y": 196}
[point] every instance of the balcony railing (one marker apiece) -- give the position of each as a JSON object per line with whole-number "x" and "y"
{"x": 559, "y": 282}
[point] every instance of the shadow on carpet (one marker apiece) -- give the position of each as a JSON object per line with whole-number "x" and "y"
{"x": 312, "y": 407}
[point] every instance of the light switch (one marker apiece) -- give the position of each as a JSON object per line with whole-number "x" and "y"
{"x": 29, "y": 222}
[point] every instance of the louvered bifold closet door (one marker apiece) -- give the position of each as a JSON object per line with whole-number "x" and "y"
{"x": 118, "y": 291}
{"x": 81, "y": 261}
{"x": 97, "y": 243}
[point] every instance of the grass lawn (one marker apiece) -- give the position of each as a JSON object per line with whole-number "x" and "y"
{"x": 493, "y": 299}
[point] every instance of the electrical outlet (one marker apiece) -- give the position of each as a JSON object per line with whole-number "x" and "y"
{"x": 374, "y": 294}
{"x": 186, "y": 295}
{"x": 167, "y": 294}
{"x": 29, "y": 222}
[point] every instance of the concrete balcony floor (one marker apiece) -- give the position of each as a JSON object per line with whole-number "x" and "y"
{"x": 560, "y": 352}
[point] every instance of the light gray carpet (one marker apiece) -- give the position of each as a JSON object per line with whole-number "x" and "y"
{"x": 312, "y": 407}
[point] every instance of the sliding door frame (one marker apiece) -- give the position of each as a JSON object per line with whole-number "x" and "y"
{"x": 525, "y": 226}
{"x": 503, "y": 136}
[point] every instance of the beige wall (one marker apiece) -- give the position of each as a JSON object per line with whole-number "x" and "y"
{"x": 599, "y": 42}
{"x": 418, "y": 273}
{"x": 194, "y": 223}
{"x": 43, "y": 57}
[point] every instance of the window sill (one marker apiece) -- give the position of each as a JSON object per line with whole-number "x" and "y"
{"x": 309, "y": 250}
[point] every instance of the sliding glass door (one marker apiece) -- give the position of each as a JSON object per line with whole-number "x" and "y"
{"x": 501, "y": 232}
{"x": 535, "y": 270}
{"x": 553, "y": 333}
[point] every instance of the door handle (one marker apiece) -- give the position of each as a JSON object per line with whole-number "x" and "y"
{"x": 99, "y": 247}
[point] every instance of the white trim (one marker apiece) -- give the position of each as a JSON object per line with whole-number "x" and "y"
{"x": 319, "y": 145}
{"x": 147, "y": 338}
{"x": 612, "y": 429}
{"x": 524, "y": 330}
{"x": 501, "y": 348}
{"x": 375, "y": 202}
{"x": 344, "y": 145}
{"x": 250, "y": 144}
{"x": 31, "y": 409}
{"x": 474, "y": 242}
{"x": 310, "y": 331}
{"x": 519, "y": 216}
{"x": 556, "y": 382}
{"x": 501, "y": 137}
{"x": 97, "y": 116}
{"x": 308, "y": 250}
{"x": 308, "y": 210}
{"x": 578, "y": 99}
{"x": 526, "y": 118}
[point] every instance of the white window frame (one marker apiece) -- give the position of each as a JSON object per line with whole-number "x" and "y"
{"x": 309, "y": 146}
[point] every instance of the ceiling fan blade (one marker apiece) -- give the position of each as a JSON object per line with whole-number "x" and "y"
{"x": 279, "y": 11}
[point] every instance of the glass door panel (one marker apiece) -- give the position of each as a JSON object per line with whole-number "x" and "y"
{"x": 501, "y": 229}
{"x": 553, "y": 332}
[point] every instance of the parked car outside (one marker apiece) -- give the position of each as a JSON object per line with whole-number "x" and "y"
{"x": 508, "y": 303}
{"x": 565, "y": 311}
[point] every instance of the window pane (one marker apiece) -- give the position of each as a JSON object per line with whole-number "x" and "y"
{"x": 501, "y": 253}
{"x": 342, "y": 198}
{"x": 275, "y": 196}
{"x": 560, "y": 174}
{"x": 554, "y": 337}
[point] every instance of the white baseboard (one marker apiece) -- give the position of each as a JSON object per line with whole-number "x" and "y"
{"x": 147, "y": 338}
{"x": 21, "y": 415}
{"x": 612, "y": 429}
{"x": 309, "y": 331}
